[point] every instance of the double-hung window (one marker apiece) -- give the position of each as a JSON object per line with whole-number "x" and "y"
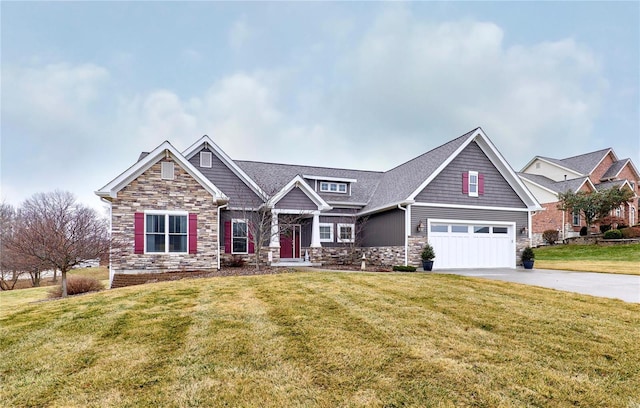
{"x": 473, "y": 184}
{"x": 166, "y": 233}
{"x": 346, "y": 232}
{"x": 239, "y": 237}
{"x": 326, "y": 232}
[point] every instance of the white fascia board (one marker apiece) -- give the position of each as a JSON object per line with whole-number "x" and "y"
{"x": 111, "y": 189}
{"x": 386, "y": 207}
{"x": 496, "y": 158}
{"x": 540, "y": 186}
{"x": 345, "y": 204}
{"x": 507, "y": 171}
{"x": 299, "y": 182}
{"x": 476, "y": 207}
{"x": 206, "y": 140}
{"x": 325, "y": 178}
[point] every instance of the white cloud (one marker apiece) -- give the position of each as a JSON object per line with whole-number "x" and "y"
{"x": 239, "y": 34}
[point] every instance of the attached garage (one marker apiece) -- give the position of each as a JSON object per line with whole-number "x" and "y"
{"x": 472, "y": 244}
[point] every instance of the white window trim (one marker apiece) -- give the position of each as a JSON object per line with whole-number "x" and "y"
{"x": 330, "y": 225}
{"x": 353, "y": 231}
{"x": 476, "y": 185}
{"x": 166, "y": 232}
{"x": 206, "y": 163}
{"x": 574, "y": 215}
{"x": 337, "y": 190}
{"x": 167, "y": 170}
{"x": 235, "y": 221}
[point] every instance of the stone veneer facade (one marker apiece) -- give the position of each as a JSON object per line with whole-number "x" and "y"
{"x": 150, "y": 192}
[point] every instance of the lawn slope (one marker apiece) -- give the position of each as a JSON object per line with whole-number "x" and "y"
{"x": 323, "y": 340}
{"x": 623, "y": 259}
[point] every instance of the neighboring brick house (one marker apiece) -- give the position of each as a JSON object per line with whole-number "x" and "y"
{"x": 594, "y": 171}
{"x": 188, "y": 211}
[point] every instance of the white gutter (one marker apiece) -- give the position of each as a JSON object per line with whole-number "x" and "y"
{"x": 406, "y": 236}
{"x": 104, "y": 200}
{"x": 218, "y": 229}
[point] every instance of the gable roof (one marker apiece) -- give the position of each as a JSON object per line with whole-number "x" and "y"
{"x": 403, "y": 183}
{"x": 557, "y": 186}
{"x": 272, "y": 177}
{"x": 145, "y": 162}
{"x": 205, "y": 141}
{"x": 299, "y": 182}
{"x": 587, "y": 163}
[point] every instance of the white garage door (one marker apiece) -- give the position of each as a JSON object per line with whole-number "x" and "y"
{"x": 472, "y": 245}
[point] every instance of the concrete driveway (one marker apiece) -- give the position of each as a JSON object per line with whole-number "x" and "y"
{"x": 624, "y": 287}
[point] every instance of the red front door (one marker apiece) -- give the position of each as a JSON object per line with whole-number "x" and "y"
{"x": 290, "y": 242}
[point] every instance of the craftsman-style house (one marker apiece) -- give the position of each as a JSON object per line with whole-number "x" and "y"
{"x": 190, "y": 210}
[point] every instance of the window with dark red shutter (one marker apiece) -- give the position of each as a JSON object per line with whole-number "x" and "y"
{"x": 227, "y": 237}
{"x": 193, "y": 233}
{"x": 480, "y": 184}
{"x": 465, "y": 183}
{"x": 138, "y": 228}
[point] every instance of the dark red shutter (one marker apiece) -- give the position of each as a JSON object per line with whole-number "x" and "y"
{"x": 193, "y": 233}
{"x": 227, "y": 237}
{"x": 138, "y": 228}
{"x": 480, "y": 184}
{"x": 465, "y": 183}
{"x": 252, "y": 247}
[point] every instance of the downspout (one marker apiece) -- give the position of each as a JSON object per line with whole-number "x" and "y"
{"x": 406, "y": 236}
{"x": 104, "y": 200}
{"x": 220, "y": 207}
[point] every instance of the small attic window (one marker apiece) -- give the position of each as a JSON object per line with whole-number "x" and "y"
{"x": 205, "y": 159}
{"x": 167, "y": 171}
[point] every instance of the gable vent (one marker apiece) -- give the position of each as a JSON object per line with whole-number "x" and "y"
{"x": 206, "y": 159}
{"x": 167, "y": 171}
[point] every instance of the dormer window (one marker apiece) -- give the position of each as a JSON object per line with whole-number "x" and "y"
{"x": 331, "y": 187}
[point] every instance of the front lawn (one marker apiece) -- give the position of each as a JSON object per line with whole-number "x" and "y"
{"x": 590, "y": 258}
{"x": 323, "y": 340}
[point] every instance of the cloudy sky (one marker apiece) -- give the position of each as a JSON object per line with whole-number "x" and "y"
{"x": 87, "y": 86}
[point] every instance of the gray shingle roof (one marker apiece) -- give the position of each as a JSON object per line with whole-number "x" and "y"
{"x": 556, "y": 186}
{"x": 608, "y": 184}
{"x": 615, "y": 168}
{"x": 400, "y": 182}
{"x": 271, "y": 177}
{"x": 585, "y": 163}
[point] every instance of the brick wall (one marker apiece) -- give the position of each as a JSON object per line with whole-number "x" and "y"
{"x": 150, "y": 192}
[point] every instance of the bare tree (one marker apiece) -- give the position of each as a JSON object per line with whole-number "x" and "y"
{"x": 55, "y": 231}
{"x": 9, "y": 269}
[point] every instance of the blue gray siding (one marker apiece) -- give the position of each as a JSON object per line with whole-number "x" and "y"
{"x": 446, "y": 188}
{"x": 384, "y": 229}
{"x": 240, "y": 195}
{"x": 296, "y": 199}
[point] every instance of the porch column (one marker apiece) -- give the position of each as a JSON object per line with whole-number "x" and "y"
{"x": 274, "y": 242}
{"x": 315, "y": 230}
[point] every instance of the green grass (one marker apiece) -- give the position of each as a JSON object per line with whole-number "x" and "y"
{"x": 590, "y": 258}
{"x": 323, "y": 340}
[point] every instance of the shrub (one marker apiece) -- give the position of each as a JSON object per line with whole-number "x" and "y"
{"x": 583, "y": 231}
{"x": 550, "y": 236}
{"x": 613, "y": 234}
{"x": 604, "y": 228}
{"x": 527, "y": 254}
{"x": 404, "y": 268}
{"x": 236, "y": 262}
{"x": 77, "y": 285}
{"x": 631, "y": 232}
{"x": 428, "y": 254}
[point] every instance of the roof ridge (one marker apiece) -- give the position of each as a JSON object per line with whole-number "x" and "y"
{"x": 585, "y": 154}
{"x": 435, "y": 148}
{"x": 306, "y": 165}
